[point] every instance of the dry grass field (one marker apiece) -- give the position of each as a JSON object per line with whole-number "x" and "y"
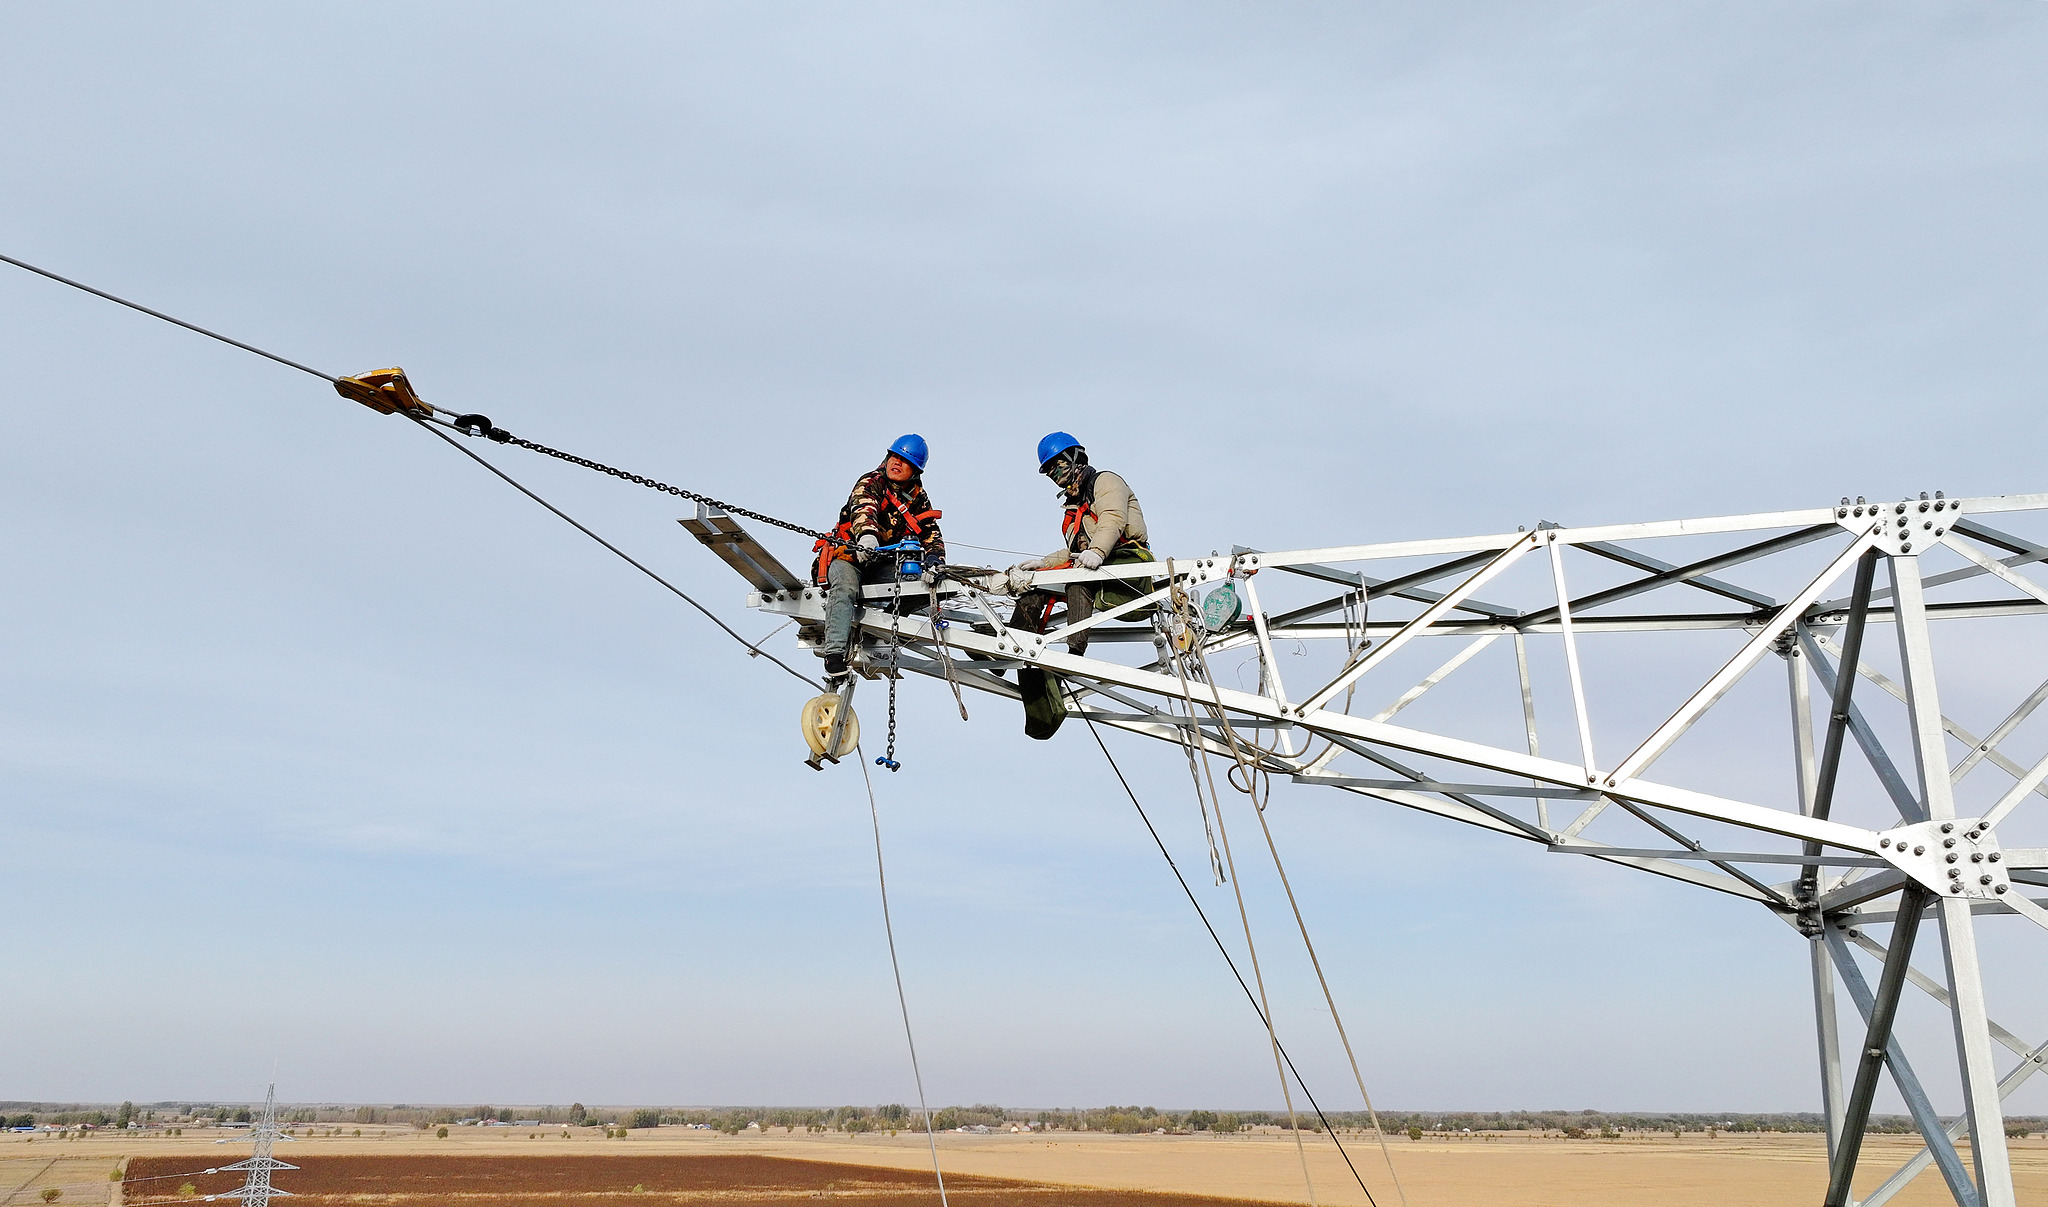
{"x": 502, "y": 1167}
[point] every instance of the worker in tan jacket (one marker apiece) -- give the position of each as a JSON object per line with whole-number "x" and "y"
{"x": 1103, "y": 526}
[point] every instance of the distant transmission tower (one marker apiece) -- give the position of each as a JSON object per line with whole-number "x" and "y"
{"x": 257, "y": 1190}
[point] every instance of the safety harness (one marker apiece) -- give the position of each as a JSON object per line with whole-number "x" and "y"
{"x": 842, "y": 534}
{"x": 1080, "y": 508}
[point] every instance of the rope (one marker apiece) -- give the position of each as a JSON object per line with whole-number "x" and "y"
{"x": 1192, "y": 739}
{"x": 1224, "y": 951}
{"x": 1257, "y": 784}
{"x": 1251, "y": 947}
{"x": 1180, "y": 603}
{"x": 1385, "y": 1152}
{"x": 882, "y": 879}
{"x": 945, "y": 652}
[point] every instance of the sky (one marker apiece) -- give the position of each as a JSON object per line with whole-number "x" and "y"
{"x": 326, "y": 758}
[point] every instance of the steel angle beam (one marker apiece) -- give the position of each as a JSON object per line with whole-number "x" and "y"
{"x": 1981, "y": 749}
{"x": 1893, "y": 1055}
{"x": 1442, "y": 806}
{"x": 1491, "y": 569}
{"x": 1985, "y": 749}
{"x": 1999, "y": 908}
{"x": 1408, "y": 586}
{"x": 1520, "y": 828}
{"x": 2024, "y": 552}
{"x": 1869, "y": 888}
{"x": 1665, "y": 622}
{"x": 1751, "y": 653}
{"x": 1891, "y": 1186}
{"x": 1678, "y": 870}
{"x": 1902, "y": 797}
{"x": 2031, "y": 780}
{"x": 1690, "y": 576}
{"x": 1934, "y": 989}
{"x": 1349, "y": 781}
{"x": 1583, "y": 848}
{"x": 1706, "y": 526}
{"x": 1668, "y": 575}
{"x": 736, "y": 547}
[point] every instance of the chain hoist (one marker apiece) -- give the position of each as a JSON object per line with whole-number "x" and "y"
{"x": 908, "y": 565}
{"x": 888, "y": 758}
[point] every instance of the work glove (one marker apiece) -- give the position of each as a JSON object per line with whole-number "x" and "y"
{"x": 1019, "y": 576}
{"x": 866, "y": 545}
{"x": 1088, "y": 559}
{"x": 932, "y": 568}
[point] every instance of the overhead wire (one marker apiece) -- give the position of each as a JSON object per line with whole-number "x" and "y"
{"x": 1224, "y": 951}
{"x": 158, "y": 314}
{"x": 752, "y": 649}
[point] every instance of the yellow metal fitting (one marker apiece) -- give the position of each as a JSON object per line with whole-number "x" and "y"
{"x": 385, "y": 391}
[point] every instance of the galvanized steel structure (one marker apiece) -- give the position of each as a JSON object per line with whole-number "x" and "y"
{"x": 1851, "y": 841}
{"x": 256, "y": 1190}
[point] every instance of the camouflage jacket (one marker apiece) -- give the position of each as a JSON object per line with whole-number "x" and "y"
{"x": 892, "y": 511}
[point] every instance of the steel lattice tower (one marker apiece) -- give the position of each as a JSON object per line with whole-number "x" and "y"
{"x": 1852, "y": 854}
{"x": 256, "y": 1190}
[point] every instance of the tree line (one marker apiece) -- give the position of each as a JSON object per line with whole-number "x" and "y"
{"x": 1121, "y": 1120}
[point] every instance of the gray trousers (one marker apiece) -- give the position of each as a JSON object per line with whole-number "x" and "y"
{"x": 843, "y": 582}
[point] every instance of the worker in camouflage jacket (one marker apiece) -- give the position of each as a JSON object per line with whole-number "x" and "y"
{"x": 887, "y": 505}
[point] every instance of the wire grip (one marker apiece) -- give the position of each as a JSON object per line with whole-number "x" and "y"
{"x": 385, "y": 391}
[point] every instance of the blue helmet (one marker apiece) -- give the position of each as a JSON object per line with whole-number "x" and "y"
{"x": 1053, "y": 445}
{"x": 911, "y": 448}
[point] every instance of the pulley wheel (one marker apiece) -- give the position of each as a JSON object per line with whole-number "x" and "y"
{"x": 818, "y": 715}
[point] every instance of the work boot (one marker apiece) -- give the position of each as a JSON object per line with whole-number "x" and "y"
{"x": 836, "y": 676}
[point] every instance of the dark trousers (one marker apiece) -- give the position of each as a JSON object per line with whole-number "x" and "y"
{"x": 1034, "y": 609}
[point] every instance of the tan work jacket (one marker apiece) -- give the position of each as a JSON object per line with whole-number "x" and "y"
{"x": 1101, "y": 514}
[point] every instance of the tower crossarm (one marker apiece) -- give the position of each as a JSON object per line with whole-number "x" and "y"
{"x": 1628, "y": 735}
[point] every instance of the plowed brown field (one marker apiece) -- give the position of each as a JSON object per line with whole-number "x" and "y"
{"x": 733, "y": 1180}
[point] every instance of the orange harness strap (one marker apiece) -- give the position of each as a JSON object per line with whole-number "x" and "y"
{"x": 827, "y": 550}
{"x": 914, "y": 520}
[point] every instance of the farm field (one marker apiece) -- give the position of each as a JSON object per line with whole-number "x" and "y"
{"x": 500, "y": 1168}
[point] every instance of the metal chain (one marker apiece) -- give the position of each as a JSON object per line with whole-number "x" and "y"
{"x": 888, "y": 758}
{"x": 891, "y": 763}
{"x": 651, "y": 484}
{"x": 895, "y": 676}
